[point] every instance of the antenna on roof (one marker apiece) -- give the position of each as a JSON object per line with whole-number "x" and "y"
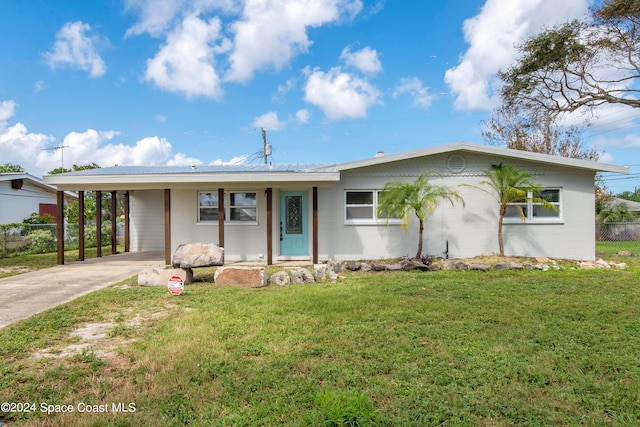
{"x": 56, "y": 148}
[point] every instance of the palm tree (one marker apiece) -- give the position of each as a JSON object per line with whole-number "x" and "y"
{"x": 421, "y": 197}
{"x": 510, "y": 186}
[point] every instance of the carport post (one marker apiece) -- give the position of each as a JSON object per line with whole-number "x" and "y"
{"x": 126, "y": 222}
{"x": 269, "y": 193}
{"x": 167, "y": 226}
{"x": 99, "y": 223}
{"x": 114, "y": 213}
{"x": 315, "y": 224}
{"x": 81, "y": 225}
{"x": 60, "y": 227}
{"x": 221, "y": 217}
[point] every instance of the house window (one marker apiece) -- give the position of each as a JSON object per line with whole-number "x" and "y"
{"x": 536, "y": 212}
{"x": 361, "y": 207}
{"x": 239, "y": 206}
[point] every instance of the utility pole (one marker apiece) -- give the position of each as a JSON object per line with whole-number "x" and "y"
{"x": 264, "y": 145}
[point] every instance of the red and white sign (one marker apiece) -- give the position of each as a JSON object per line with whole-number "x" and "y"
{"x": 176, "y": 285}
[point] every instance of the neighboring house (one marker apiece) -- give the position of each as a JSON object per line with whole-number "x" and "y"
{"x": 634, "y": 207}
{"x": 22, "y": 194}
{"x": 311, "y": 212}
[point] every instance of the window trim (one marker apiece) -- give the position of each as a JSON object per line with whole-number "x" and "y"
{"x": 227, "y": 208}
{"x": 529, "y": 204}
{"x": 376, "y": 220}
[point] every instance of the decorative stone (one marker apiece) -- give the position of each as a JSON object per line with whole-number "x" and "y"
{"x": 301, "y": 275}
{"x": 378, "y": 266}
{"x": 480, "y": 267}
{"x": 625, "y": 253}
{"x": 409, "y": 264}
{"x": 393, "y": 267}
{"x": 353, "y": 265}
{"x": 280, "y": 278}
{"x": 515, "y": 266}
{"x": 542, "y": 259}
{"x": 500, "y": 266}
{"x": 248, "y": 277}
{"x": 320, "y": 271}
{"x": 336, "y": 265}
{"x": 192, "y": 255}
{"x": 161, "y": 276}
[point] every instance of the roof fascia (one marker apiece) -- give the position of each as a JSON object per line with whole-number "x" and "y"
{"x": 486, "y": 149}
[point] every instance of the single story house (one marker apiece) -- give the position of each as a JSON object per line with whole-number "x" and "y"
{"x": 22, "y": 194}
{"x": 317, "y": 212}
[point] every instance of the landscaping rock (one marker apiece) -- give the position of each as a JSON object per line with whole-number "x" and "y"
{"x": 500, "y": 266}
{"x": 378, "y": 266}
{"x": 161, "y": 276}
{"x": 336, "y": 265}
{"x": 393, "y": 267}
{"x": 625, "y": 253}
{"x": 480, "y": 267}
{"x": 280, "y": 278}
{"x": 248, "y": 277}
{"x": 410, "y": 264}
{"x": 301, "y": 275}
{"x": 320, "y": 271}
{"x": 515, "y": 266}
{"x": 192, "y": 255}
{"x": 352, "y": 265}
{"x": 365, "y": 266}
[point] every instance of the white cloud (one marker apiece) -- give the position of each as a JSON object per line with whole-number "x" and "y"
{"x": 284, "y": 89}
{"x": 186, "y": 62}
{"x": 302, "y": 116}
{"x": 414, "y": 87}
{"x": 180, "y": 159}
{"x": 492, "y": 36}
{"x": 365, "y": 60}
{"x": 7, "y": 109}
{"x": 237, "y": 160}
{"x": 626, "y": 141}
{"x": 38, "y": 86}
{"x": 269, "y": 121}
{"x": 74, "y": 47}
{"x": 160, "y": 118}
{"x": 339, "y": 95}
{"x": 271, "y": 32}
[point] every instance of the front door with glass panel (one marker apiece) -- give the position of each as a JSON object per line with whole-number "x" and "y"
{"x": 294, "y": 235}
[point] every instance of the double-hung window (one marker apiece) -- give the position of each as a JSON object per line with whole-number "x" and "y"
{"x": 239, "y": 206}
{"x": 361, "y": 207}
{"x": 534, "y": 209}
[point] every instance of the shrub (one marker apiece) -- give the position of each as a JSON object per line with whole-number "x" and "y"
{"x": 41, "y": 241}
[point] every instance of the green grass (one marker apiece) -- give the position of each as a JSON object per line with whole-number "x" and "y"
{"x": 408, "y": 349}
{"x": 611, "y": 248}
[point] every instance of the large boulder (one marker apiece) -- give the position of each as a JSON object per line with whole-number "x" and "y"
{"x": 248, "y": 277}
{"x": 301, "y": 275}
{"x": 161, "y": 276}
{"x": 193, "y": 255}
{"x": 280, "y": 278}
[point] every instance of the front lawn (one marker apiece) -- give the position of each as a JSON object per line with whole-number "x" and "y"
{"x": 500, "y": 348}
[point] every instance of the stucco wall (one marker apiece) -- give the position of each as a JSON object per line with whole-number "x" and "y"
{"x": 147, "y": 220}
{"x": 470, "y": 231}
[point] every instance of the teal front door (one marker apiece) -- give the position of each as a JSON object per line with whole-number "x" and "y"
{"x": 294, "y": 230}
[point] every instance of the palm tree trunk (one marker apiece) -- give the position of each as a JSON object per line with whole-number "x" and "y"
{"x": 500, "y": 243}
{"x": 419, "y": 253}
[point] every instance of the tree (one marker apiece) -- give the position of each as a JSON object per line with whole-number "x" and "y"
{"x": 581, "y": 63}
{"x": 511, "y": 128}
{"x": 11, "y": 168}
{"x": 74, "y": 168}
{"x": 510, "y": 186}
{"x": 419, "y": 198}
{"x": 618, "y": 212}
{"x": 630, "y": 195}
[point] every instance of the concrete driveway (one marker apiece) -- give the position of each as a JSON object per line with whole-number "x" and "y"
{"x": 26, "y": 294}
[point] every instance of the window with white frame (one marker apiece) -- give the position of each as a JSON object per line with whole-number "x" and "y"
{"x": 361, "y": 207}
{"x": 534, "y": 210}
{"x": 239, "y": 206}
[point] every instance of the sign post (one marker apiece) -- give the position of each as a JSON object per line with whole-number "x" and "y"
{"x": 176, "y": 285}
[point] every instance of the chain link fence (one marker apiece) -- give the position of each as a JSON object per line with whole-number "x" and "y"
{"x": 40, "y": 238}
{"x": 613, "y": 238}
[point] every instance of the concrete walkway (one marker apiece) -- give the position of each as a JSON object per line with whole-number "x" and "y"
{"x": 26, "y": 294}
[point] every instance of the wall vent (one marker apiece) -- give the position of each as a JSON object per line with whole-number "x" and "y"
{"x": 456, "y": 163}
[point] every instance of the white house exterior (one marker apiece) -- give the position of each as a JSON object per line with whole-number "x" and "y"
{"x": 22, "y": 194}
{"x": 312, "y": 212}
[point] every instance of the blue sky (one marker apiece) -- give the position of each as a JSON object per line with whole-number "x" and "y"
{"x": 144, "y": 82}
